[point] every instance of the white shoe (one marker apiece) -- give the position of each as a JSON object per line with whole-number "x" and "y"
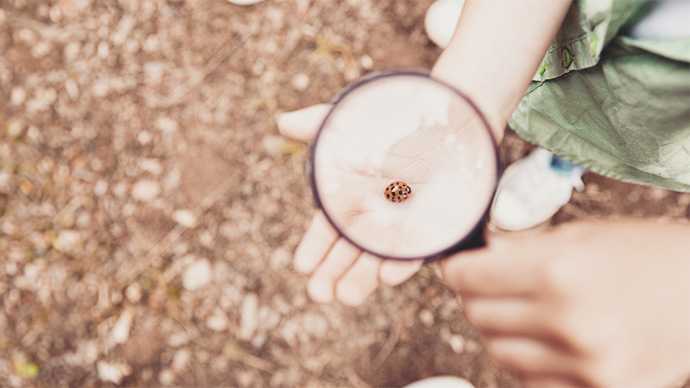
{"x": 441, "y": 382}
{"x": 531, "y": 191}
{"x": 441, "y": 19}
{"x": 245, "y": 2}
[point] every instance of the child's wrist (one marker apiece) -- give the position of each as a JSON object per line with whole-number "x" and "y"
{"x": 497, "y": 119}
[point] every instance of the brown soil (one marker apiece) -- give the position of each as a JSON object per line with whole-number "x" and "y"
{"x": 118, "y": 114}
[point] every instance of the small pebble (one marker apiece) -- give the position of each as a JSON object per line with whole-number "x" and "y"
{"x": 280, "y": 258}
{"x": 166, "y": 124}
{"x": 144, "y": 137}
{"x": 457, "y": 343}
{"x": 180, "y": 360}
{"x": 18, "y": 95}
{"x": 366, "y": 62}
{"x": 68, "y": 241}
{"x": 151, "y": 165}
{"x": 300, "y": 82}
{"x": 72, "y": 89}
{"x": 426, "y": 317}
{"x": 166, "y": 377}
{"x": 134, "y": 292}
{"x": 112, "y": 372}
{"x": 146, "y": 190}
{"x": 197, "y": 275}
{"x": 315, "y": 325}
{"x": 217, "y": 322}
{"x": 100, "y": 188}
{"x": 120, "y": 332}
{"x": 249, "y": 318}
{"x": 15, "y": 128}
{"x": 184, "y": 217}
{"x": 178, "y": 339}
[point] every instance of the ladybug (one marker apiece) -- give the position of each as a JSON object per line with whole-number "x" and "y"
{"x": 397, "y": 192}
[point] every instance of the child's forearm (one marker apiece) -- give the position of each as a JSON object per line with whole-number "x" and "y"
{"x": 496, "y": 49}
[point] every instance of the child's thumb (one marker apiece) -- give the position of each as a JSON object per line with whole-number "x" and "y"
{"x": 302, "y": 124}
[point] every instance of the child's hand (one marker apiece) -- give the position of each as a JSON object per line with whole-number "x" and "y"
{"x": 337, "y": 268}
{"x": 587, "y": 304}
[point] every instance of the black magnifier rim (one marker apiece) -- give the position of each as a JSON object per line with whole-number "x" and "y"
{"x": 396, "y": 72}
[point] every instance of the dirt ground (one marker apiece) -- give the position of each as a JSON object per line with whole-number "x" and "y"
{"x": 149, "y": 209}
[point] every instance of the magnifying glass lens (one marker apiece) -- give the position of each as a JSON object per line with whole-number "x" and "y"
{"x": 404, "y": 166}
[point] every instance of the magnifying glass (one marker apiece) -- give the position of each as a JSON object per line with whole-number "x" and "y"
{"x": 405, "y": 167}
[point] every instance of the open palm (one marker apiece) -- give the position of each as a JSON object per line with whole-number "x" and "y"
{"x": 425, "y": 160}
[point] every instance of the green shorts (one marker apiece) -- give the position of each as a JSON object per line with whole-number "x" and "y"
{"x": 618, "y": 106}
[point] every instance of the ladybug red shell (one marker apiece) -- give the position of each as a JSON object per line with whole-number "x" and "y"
{"x": 397, "y": 192}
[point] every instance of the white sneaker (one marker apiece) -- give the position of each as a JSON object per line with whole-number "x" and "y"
{"x": 531, "y": 191}
{"x": 441, "y": 19}
{"x": 245, "y": 2}
{"x": 441, "y": 382}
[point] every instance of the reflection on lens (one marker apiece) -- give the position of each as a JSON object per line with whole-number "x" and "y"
{"x": 397, "y": 132}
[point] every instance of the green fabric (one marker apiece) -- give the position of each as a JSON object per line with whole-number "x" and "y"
{"x": 617, "y": 106}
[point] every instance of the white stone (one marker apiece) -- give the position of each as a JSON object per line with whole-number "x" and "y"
{"x": 146, "y": 190}
{"x": 68, "y": 241}
{"x": 5, "y": 182}
{"x": 15, "y": 128}
{"x": 426, "y": 317}
{"x": 166, "y": 124}
{"x": 151, "y": 165}
{"x": 180, "y": 360}
{"x": 184, "y": 217}
{"x": 18, "y": 95}
{"x": 71, "y": 51}
{"x": 120, "y": 332}
{"x": 144, "y": 137}
{"x": 217, "y": 322}
{"x": 86, "y": 353}
{"x": 134, "y": 292}
{"x": 280, "y": 258}
{"x": 120, "y": 189}
{"x": 366, "y": 62}
{"x": 166, "y": 377}
{"x": 249, "y": 316}
{"x": 178, "y": 339}
{"x": 72, "y": 89}
{"x": 100, "y": 188}
{"x": 457, "y": 343}
{"x": 112, "y": 373}
{"x": 196, "y": 275}
{"x": 103, "y": 50}
{"x": 315, "y": 324}
{"x": 300, "y": 82}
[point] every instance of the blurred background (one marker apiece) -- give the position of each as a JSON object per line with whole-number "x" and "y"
{"x": 149, "y": 208}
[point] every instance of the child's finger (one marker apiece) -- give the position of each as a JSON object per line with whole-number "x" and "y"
{"x": 393, "y": 272}
{"x": 302, "y": 125}
{"x": 322, "y": 283}
{"x": 533, "y": 357}
{"x": 359, "y": 281}
{"x": 506, "y": 316}
{"x": 315, "y": 244}
{"x": 490, "y": 272}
